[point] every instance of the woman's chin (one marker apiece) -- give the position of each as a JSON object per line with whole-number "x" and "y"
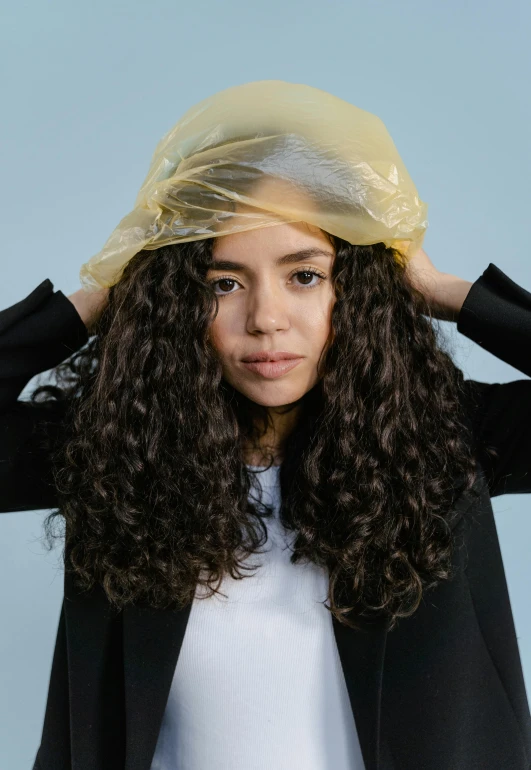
{"x": 274, "y": 395}
{"x": 271, "y": 392}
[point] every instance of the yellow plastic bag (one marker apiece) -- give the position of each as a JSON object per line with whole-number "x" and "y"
{"x": 262, "y": 154}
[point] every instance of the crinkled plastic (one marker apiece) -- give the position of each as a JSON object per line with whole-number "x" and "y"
{"x": 262, "y": 154}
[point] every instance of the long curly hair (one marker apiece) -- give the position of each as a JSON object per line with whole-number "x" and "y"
{"x": 150, "y": 472}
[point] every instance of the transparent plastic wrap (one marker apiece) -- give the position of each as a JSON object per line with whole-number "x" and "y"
{"x": 262, "y": 154}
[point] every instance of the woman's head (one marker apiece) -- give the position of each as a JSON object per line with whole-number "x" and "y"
{"x": 152, "y": 476}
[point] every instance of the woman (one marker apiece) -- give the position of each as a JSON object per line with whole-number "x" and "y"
{"x": 374, "y": 631}
{"x": 155, "y": 476}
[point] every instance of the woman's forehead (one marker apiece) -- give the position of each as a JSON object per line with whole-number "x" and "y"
{"x": 273, "y": 242}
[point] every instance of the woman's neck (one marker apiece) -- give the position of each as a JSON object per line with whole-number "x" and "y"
{"x": 273, "y": 443}
{"x": 261, "y": 459}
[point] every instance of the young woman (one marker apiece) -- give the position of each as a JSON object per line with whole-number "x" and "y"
{"x": 285, "y": 563}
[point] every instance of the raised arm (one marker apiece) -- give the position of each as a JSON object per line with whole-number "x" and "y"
{"x": 36, "y": 334}
{"x": 496, "y": 315}
{"x": 494, "y": 312}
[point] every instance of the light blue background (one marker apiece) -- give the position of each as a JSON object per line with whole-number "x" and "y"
{"x": 89, "y": 89}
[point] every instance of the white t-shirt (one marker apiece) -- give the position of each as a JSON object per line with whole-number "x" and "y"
{"x": 258, "y": 683}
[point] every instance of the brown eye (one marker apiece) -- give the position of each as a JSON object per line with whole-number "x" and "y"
{"x": 307, "y": 278}
{"x": 223, "y": 284}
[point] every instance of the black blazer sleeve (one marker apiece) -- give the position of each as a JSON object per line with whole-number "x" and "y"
{"x": 36, "y": 334}
{"x": 496, "y": 314}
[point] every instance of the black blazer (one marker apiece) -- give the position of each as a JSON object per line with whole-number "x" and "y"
{"x": 443, "y": 691}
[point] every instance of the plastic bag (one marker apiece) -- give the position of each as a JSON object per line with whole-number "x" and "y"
{"x": 262, "y": 154}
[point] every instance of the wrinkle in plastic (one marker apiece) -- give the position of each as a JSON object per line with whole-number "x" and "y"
{"x": 262, "y": 154}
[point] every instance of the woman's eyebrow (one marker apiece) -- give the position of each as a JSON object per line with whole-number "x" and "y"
{"x": 286, "y": 259}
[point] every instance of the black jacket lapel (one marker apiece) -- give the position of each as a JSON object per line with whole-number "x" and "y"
{"x": 152, "y": 641}
{"x": 362, "y": 654}
{"x": 362, "y": 658}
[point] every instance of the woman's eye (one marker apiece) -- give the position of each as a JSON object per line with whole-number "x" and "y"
{"x": 310, "y": 274}
{"x": 224, "y": 281}
{"x": 307, "y": 282}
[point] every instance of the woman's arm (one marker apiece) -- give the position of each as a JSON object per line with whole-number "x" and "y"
{"x": 444, "y": 292}
{"x": 36, "y": 334}
{"x": 494, "y": 312}
{"x": 89, "y": 305}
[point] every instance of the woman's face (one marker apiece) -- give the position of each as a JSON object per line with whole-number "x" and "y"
{"x": 275, "y": 295}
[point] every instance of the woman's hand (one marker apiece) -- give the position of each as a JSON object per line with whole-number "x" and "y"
{"x": 89, "y": 305}
{"x": 444, "y": 292}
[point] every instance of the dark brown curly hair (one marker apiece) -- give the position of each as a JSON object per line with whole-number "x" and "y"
{"x": 151, "y": 477}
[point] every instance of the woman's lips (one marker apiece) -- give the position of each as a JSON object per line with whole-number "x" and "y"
{"x": 272, "y": 369}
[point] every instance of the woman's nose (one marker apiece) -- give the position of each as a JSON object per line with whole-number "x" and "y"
{"x": 267, "y": 311}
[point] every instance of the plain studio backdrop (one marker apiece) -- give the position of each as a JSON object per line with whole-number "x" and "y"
{"x": 89, "y": 89}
